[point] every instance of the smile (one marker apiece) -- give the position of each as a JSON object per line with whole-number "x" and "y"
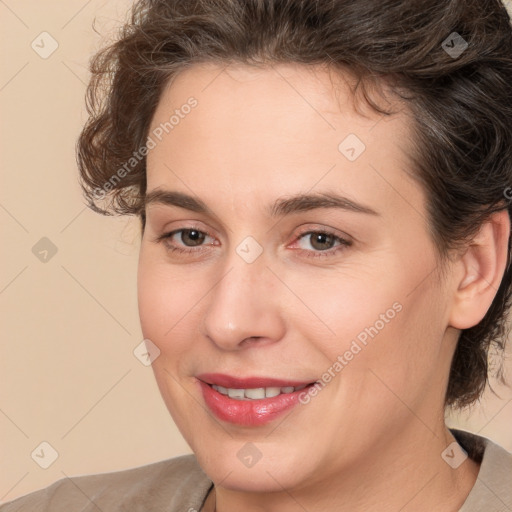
{"x": 249, "y": 402}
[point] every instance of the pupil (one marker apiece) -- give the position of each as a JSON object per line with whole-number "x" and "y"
{"x": 322, "y": 239}
{"x": 195, "y": 236}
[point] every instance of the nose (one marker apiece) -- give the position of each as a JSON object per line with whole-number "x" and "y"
{"x": 244, "y": 307}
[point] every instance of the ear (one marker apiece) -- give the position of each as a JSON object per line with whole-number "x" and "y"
{"x": 480, "y": 271}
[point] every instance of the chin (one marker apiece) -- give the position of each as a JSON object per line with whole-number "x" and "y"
{"x": 278, "y": 471}
{"x": 252, "y": 480}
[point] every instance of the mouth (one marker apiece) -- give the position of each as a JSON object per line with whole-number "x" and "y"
{"x": 256, "y": 393}
{"x": 252, "y": 401}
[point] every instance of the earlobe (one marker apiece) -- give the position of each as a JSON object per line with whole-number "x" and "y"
{"x": 482, "y": 267}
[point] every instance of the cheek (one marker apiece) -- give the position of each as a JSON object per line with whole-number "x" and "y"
{"x": 403, "y": 361}
{"x": 335, "y": 308}
{"x": 375, "y": 322}
{"x": 166, "y": 301}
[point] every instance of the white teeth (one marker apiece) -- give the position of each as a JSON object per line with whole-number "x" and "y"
{"x": 255, "y": 393}
{"x": 270, "y": 392}
{"x": 236, "y": 393}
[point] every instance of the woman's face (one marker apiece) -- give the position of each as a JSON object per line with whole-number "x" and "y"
{"x": 261, "y": 289}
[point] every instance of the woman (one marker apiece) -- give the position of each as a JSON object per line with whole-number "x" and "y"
{"x": 324, "y": 263}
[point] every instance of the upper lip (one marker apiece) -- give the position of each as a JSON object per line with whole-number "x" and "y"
{"x": 228, "y": 381}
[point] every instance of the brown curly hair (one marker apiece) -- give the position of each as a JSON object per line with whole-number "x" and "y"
{"x": 461, "y": 106}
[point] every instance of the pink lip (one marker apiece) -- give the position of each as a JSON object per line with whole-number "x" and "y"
{"x": 249, "y": 413}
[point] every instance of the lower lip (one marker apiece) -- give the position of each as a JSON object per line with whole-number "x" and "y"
{"x": 249, "y": 413}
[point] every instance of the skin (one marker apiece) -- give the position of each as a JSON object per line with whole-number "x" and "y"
{"x": 372, "y": 438}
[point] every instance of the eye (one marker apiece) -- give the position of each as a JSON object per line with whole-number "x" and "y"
{"x": 187, "y": 239}
{"x": 323, "y": 243}
{"x": 193, "y": 240}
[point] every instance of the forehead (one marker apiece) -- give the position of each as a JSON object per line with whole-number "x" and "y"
{"x": 264, "y": 130}
{"x": 255, "y": 96}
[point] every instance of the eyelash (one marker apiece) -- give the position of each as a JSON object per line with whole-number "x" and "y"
{"x": 343, "y": 243}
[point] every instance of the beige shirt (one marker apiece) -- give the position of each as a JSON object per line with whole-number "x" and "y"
{"x": 179, "y": 485}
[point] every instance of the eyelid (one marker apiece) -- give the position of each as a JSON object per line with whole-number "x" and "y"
{"x": 324, "y": 229}
{"x": 169, "y": 234}
{"x": 344, "y": 241}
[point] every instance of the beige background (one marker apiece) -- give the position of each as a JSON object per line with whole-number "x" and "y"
{"x": 70, "y": 324}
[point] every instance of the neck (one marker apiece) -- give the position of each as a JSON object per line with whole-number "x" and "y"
{"x": 408, "y": 474}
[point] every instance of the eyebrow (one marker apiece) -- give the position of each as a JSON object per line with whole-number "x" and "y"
{"x": 282, "y": 206}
